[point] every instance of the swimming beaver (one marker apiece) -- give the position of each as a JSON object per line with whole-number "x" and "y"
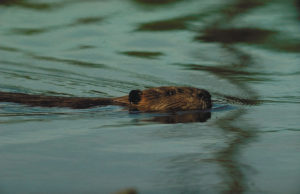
{"x": 160, "y": 99}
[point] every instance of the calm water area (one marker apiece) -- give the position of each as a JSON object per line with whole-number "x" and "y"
{"x": 246, "y": 53}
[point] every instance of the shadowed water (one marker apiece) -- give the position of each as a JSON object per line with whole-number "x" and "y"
{"x": 246, "y": 53}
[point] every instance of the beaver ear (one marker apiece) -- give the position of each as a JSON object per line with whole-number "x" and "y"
{"x": 135, "y": 96}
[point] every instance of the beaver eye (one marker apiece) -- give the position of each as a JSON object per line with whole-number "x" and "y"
{"x": 170, "y": 93}
{"x": 134, "y": 96}
{"x": 180, "y": 90}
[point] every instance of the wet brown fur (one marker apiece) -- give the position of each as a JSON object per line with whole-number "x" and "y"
{"x": 160, "y": 99}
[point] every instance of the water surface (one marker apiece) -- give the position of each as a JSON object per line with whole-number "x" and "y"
{"x": 246, "y": 53}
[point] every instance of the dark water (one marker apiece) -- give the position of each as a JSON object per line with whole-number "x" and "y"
{"x": 246, "y": 53}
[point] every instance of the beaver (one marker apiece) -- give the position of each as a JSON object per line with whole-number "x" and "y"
{"x": 159, "y": 99}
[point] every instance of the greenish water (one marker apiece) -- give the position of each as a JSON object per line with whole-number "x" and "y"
{"x": 246, "y": 53}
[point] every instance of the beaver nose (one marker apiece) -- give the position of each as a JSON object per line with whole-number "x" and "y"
{"x": 206, "y": 98}
{"x": 204, "y": 95}
{"x": 209, "y": 104}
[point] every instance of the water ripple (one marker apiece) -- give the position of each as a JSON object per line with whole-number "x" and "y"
{"x": 46, "y": 29}
{"x": 143, "y": 54}
{"x": 178, "y": 23}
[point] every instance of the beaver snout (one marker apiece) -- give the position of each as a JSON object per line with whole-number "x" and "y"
{"x": 205, "y": 97}
{"x": 208, "y": 102}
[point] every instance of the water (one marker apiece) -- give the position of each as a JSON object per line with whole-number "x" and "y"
{"x": 246, "y": 53}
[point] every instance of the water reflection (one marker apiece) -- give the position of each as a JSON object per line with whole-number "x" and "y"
{"x": 186, "y": 171}
{"x": 30, "y": 5}
{"x": 297, "y": 3}
{"x": 72, "y": 62}
{"x": 87, "y": 20}
{"x": 179, "y": 23}
{"x": 233, "y": 176}
{"x": 190, "y": 170}
{"x": 40, "y": 6}
{"x": 46, "y": 29}
{"x": 188, "y": 117}
{"x": 238, "y": 7}
{"x": 266, "y": 38}
{"x": 236, "y": 35}
{"x": 143, "y": 54}
{"x": 156, "y": 2}
{"x": 220, "y": 31}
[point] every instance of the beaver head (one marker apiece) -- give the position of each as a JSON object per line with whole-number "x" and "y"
{"x": 169, "y": 99}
